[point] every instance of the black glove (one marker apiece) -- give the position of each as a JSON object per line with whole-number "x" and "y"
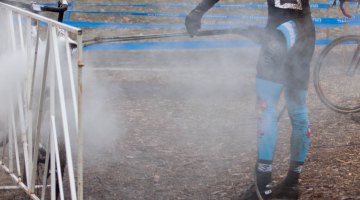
{"x": 193, "y": 21}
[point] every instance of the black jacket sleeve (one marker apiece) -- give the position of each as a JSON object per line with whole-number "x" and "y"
{"x": 205, "y": 5}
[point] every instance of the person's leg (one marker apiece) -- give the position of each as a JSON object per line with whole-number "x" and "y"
{"x": 269, "y": 84}
{"x": 300, "y": 141}
{"x": 300, "y": 136}
{"x": 268, "y": 94}
{"x": 298, "y": 71}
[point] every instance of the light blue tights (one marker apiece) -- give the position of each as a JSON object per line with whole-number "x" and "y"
{"x": 268, "y": 93}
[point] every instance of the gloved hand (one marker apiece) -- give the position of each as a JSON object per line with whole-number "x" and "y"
{"x": 193, "y": 21}
{"x": 345, "y": 13}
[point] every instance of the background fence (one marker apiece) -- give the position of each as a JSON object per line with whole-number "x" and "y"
{"x": 176, "y": 12}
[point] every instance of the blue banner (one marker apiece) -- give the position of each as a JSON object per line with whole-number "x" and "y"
{"x": 170, "y": 26}
{"x": 317, "y": 20}
{"x": 126, "y": 46}
{"x": 185, "y": 5}
{"x": 322, "y": 22}
{"x": 183, "y": 15}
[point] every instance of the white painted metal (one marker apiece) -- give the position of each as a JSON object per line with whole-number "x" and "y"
{"x": 13, "y": 128}
{"x": 21, "y": 34}
{"x": 39, "y": 112}
{"x": 14, "y": 187}
{"x": 56, "y": 149}
{"x": 12, "y": 32}
{"x": 65, "y": 124}
{"x": 71, "y": 76}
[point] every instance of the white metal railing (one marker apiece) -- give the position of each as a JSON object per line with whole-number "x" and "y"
{"x": 43, "y": 111}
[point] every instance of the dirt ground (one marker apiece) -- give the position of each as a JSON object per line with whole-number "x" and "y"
{"x": 190, "y": 134}
{"x": 181, "y": 124}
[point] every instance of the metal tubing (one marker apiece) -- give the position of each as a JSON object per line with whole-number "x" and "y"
{"x": 31, "y": 92}
{"x": 11, "y": 155}
{"x": 21, "y": 34}
{"x": 10, "y": 187}
{"x": 52, "y": 113}
{"x": 80, "y": 139}
{"x": 39, "y": 115}
{"x": 62, "y": 102}
{"x": 31, "y": 97}
{"x": 18, "y": 181}
{"x": 12, "y": 31}
{"x": 52, "y": 162}
{"x": 250, "y": 32}
{"x": 15, "y": 139}
{"x": 46, "y": 169}
{"x": 50, "y": 22}
{"x": 28, "y": 42}
{"x": 57, "y": 155}
{"x": 14, "y": 187}
{"x": 30, "y": 143}
{"x": 23, "y": 133}
{"x": 71, "y": 77}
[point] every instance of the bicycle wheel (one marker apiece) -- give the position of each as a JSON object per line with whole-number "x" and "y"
{"x": 336, "y": 75}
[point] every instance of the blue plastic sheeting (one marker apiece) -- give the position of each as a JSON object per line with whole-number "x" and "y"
{"x": 156, "y": 14}
{"x": 68, "y": 14}
{"x": 126, "y": 46}
{"x": 186, "y": 5}
{"x": 169, "y": 45}
{"x": 317, "y": 20}
{"x": 169, "y": 26}
{"x": 319, "y": 23}
{"x": 177, "y": 5}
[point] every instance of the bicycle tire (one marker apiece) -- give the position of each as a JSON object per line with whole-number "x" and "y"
{"x": 321, "y": 65}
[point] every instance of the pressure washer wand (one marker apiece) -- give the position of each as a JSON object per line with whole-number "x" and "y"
{"x": 132, "y": 38}
{"x": 248, "y": 32}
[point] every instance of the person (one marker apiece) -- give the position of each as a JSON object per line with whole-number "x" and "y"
{"x": 287, "y": 48}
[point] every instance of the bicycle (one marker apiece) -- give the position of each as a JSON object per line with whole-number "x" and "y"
{"x": 336, "y": 83}
{"x": 336, "y": 80}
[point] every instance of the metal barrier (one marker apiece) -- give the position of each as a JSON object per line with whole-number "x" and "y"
{"x": 44, "y": 106}
{"x": 319, "y": 22}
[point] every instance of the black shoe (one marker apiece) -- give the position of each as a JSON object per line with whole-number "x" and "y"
{"x": 263, "y": 185}
{"x": 286, "y": 191}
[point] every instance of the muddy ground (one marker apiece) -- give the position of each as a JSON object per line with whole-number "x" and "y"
{"x": 181, "y": 124}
